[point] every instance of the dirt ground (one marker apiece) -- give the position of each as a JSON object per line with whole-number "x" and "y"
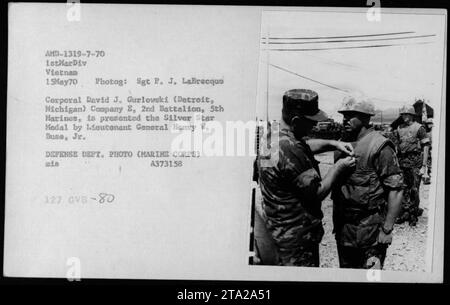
{"x": 407, "y": 252}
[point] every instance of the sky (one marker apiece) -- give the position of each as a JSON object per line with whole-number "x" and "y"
{"x": 391, "y": 76}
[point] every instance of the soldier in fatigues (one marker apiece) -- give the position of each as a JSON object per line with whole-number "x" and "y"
{"x": 413, "y": 145}
{"x": 367, "y": 201}
{"x": 291, "y": 185}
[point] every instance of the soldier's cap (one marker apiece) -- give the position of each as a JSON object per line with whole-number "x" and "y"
{"x": 304, "y": 102}
{"x": 357, "y": 104}
{"x": 429, "y": 121}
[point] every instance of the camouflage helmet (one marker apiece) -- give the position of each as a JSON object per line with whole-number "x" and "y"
{"x": 407, "y": 110}
{"x": 357, "y": 104}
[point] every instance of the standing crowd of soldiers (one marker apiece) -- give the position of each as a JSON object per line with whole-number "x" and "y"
{"x": 374, "y": 183}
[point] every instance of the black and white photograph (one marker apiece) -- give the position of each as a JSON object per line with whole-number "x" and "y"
{"x": 225, "y": 143}
{"x": 348, "y": 106}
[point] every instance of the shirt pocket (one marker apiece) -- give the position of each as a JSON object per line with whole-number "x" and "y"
{"x": 357, "y": 190}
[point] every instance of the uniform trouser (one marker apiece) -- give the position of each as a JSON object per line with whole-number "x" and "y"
{"x": 411, "y": 199}
{"x": 305, "y": 256}
{"x": 288, "y": 252}
{"x": 426, "y": 180}
{"x": 361, "y": 258}
{"x": 269, "y": 253}
{"x": 302, "y": 249}
{"x": 265, "y": 248}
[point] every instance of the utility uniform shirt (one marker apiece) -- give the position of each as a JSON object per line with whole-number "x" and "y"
{"x": 289, "y": 187}
{"x": 360, "y": 200}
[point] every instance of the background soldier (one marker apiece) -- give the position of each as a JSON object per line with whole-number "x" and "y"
{"x": 413, "y": 145}
{"x": 292, "y": 188}
{"x": 367, "y": 202}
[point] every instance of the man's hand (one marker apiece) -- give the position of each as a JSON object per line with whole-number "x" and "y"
{"x": 332, "y": 176}
{"x": 345, "y": 147}
{"x": 346, "y": 163}
{"x": 384, "y": 238}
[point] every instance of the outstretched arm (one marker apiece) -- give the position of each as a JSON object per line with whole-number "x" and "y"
{"x": 321, "y": 145}
{"x": 332, "y": 176}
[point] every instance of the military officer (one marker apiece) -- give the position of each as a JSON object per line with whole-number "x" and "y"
{"x": 292, "y": 187}
{"x": 367, "y": 200}
{"x": 413, "y": 147}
